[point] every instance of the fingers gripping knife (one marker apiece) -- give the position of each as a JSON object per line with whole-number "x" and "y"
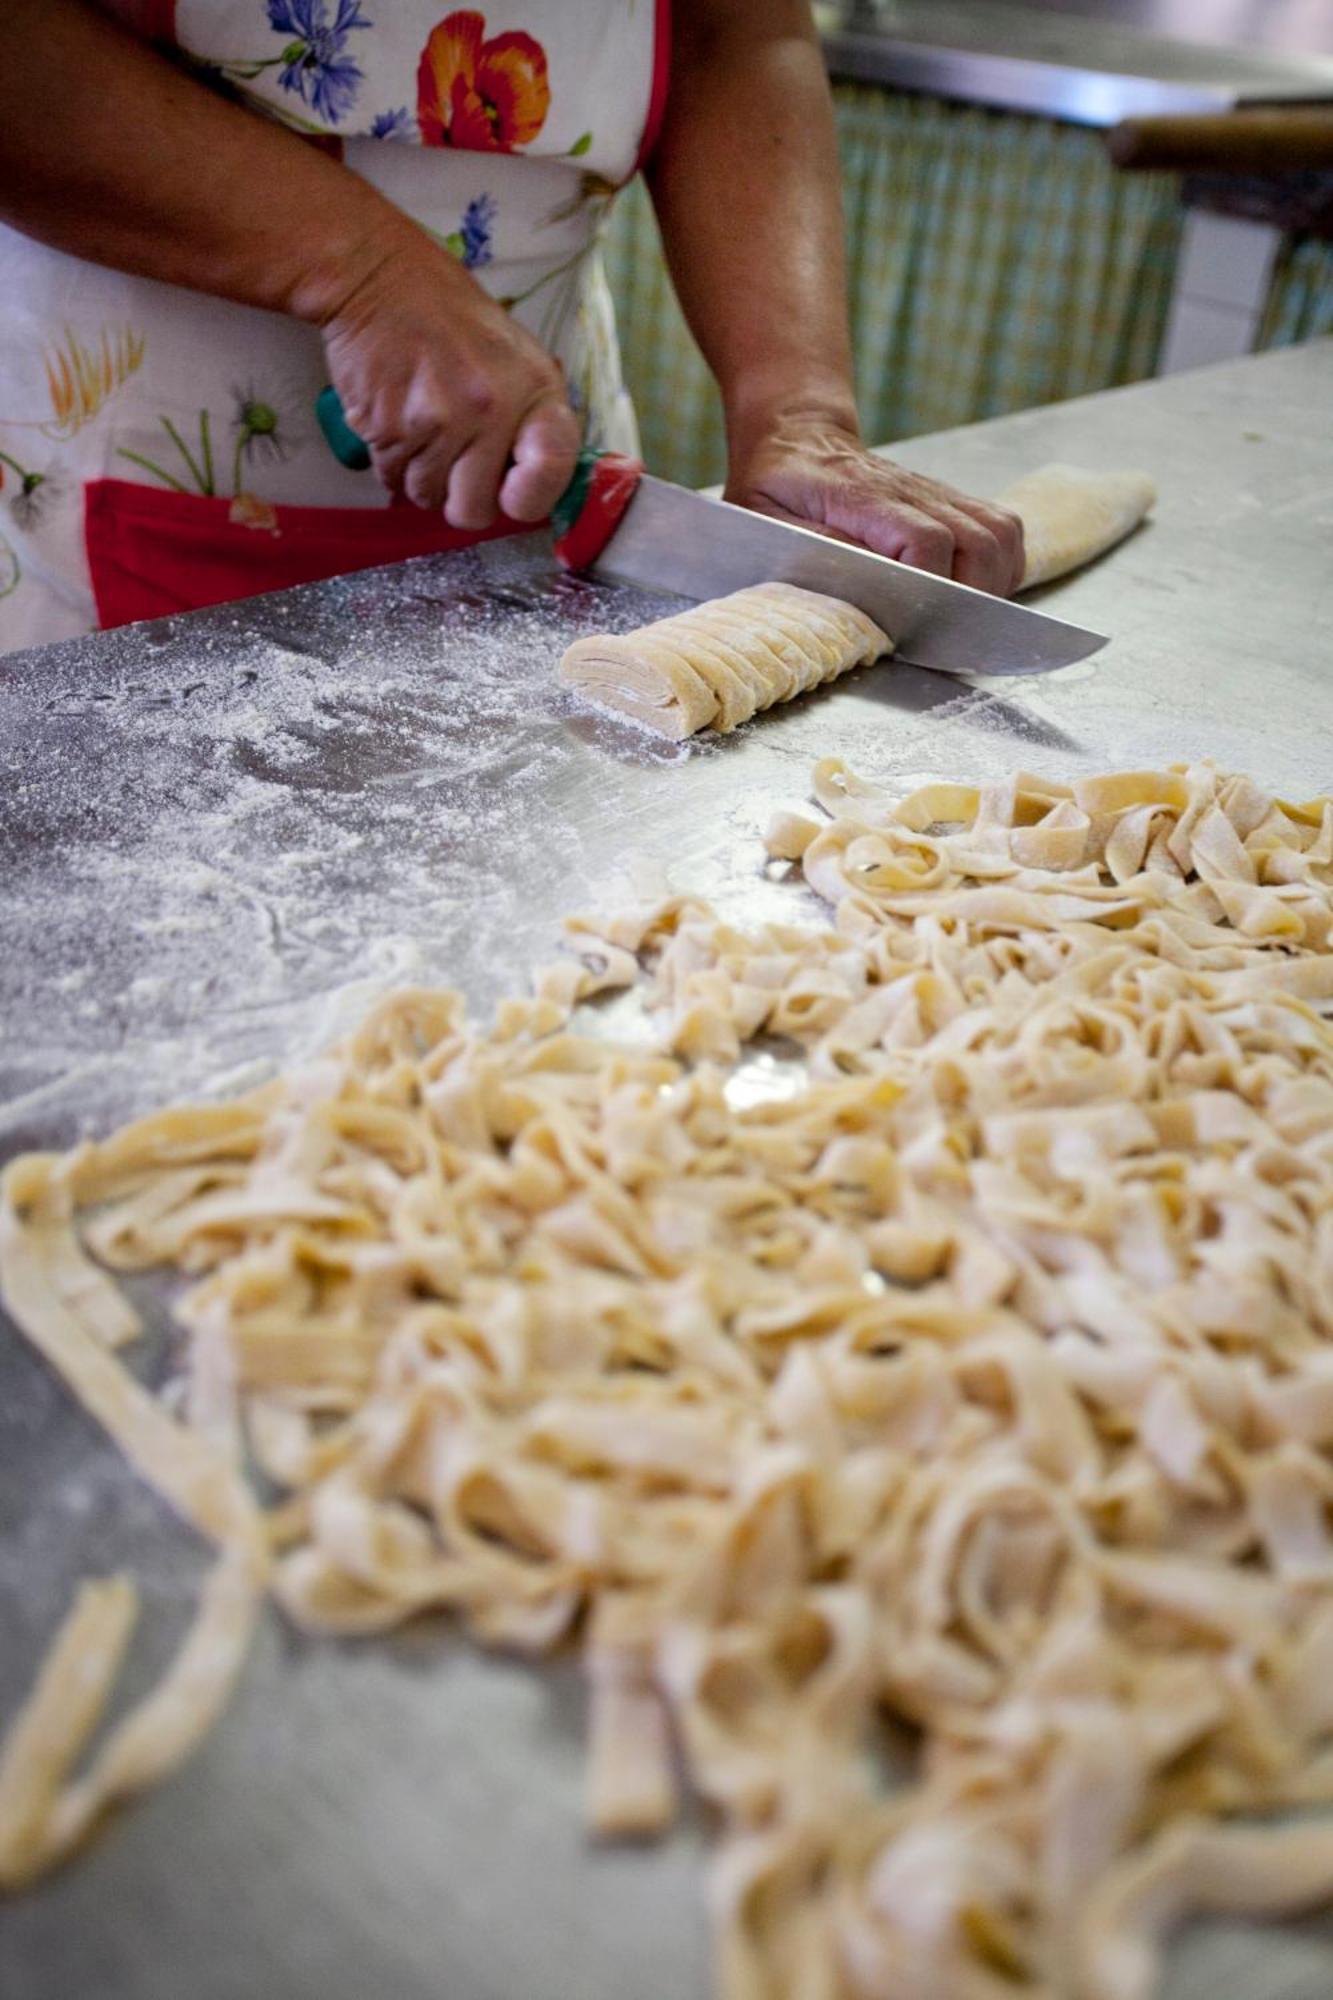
{"x": 616, "y": 521}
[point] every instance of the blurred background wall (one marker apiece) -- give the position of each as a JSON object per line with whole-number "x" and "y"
{"x": 998, "y": 258}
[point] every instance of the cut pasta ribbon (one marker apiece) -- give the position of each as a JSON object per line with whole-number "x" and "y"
{"x": 74, "y": 1315}
{"x": 980, "y": 1375}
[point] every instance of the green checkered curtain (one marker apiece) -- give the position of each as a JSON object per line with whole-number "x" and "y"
{"x": 1300, "y": 303}
{"x": 995, "y": 262}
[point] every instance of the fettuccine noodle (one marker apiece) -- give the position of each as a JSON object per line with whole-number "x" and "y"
{"x": 978, "y": 1375}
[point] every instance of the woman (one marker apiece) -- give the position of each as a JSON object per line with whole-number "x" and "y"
{"x": 414, "y": 221}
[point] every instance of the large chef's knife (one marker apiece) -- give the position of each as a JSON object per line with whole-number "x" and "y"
{"x": 617, "y": 521}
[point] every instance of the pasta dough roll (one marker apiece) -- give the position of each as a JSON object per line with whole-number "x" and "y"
{"x": 717, "y": 664}
{"x": 1069, "y": 516}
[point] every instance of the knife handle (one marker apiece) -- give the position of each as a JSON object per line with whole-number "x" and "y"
{"x": 349, "y": 449}
{"x": 589, "y": 510}
{"x": 585, "y": 516}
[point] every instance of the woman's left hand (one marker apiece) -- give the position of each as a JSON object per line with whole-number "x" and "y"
{"x": 813, "y": 469}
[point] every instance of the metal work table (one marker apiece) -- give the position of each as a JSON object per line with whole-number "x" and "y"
{"x": 1092, "y": 62}
{"x": 218, "y": 838}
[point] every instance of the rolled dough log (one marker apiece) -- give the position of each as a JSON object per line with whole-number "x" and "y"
{"x": 716, "y": 664}
{"x": 1069, "y": 516}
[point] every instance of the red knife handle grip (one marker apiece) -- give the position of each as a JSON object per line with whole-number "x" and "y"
{"x": 589, "y": 510}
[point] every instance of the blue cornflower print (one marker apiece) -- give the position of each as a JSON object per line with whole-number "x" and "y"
{"x": 471, "y": 241}
{"x": 394, "y": 125}
{"x": 476, "y": 232}
{"x": 314, "y": 63}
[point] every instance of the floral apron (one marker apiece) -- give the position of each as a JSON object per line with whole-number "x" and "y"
{"x": 160, "y": 449}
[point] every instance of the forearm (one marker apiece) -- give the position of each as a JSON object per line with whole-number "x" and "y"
{"x": 746, "y": 187}
{"x": 141, "y": 167}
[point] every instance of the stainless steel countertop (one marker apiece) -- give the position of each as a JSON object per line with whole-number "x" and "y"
{"x": 1092, "y": 62}
{"x": 218, "y": 837}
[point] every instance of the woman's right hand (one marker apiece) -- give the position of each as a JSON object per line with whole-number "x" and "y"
{"x": 460, "y": 407}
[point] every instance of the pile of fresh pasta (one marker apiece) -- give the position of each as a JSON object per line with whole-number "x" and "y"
{"x": 968, "y": 1389}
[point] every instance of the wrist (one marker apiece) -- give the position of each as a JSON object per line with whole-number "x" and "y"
{"x": 351, "y": 258}
{"x": 761, "y": 413}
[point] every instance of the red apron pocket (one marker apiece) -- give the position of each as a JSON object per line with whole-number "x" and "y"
{"x": 153, "y": 552}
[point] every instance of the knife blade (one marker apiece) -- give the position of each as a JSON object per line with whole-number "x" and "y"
{"x": 670, "y": 538}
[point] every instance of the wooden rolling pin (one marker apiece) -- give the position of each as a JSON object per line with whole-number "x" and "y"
{"x": 1236, "y": 142}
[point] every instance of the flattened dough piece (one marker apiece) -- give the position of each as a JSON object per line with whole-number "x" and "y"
{"x": 716, "y": 664}
{"x": 1069, "y": 515}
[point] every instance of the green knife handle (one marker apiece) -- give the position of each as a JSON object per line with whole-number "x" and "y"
{"x": 572, "y": 501}
{"x": 349, "y": 449}
{"x": 584, "y": 517}
{"x": 590, "y": 509}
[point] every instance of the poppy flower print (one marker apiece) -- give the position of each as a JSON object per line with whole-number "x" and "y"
{"x": 484, "y": 96}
